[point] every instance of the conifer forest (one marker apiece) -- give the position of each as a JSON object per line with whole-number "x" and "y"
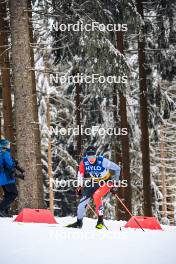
{"x": 100, "y": 73}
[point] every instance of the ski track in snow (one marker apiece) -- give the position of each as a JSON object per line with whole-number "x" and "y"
{"x": 44, "y": 244}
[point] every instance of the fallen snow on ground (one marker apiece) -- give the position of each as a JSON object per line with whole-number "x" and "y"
{"x": 23, "y": 243}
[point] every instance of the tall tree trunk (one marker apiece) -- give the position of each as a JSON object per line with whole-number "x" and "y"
{"x": 36, "y": 119}
{"x": 163, "y": 174}
{"x": 50, "y": 173}
{"x": 6, "y": 85}
{"x": 23, "y": 85}
{"x": 117, "y": 153}
{"x": 78, "y": 120}
{"x": 5, "y": 76}
{"x": 78, "y": 114}
{"x": 144, "y": 117}
{"x": 124, "y": 138}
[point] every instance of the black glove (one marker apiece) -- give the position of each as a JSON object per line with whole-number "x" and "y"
{"x": 114, "y": 190}
{"x": 16, "y": 175}
{"x": 18, "y": 168}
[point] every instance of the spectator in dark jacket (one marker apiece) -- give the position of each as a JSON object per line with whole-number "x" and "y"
{"x": 7, "y": 182}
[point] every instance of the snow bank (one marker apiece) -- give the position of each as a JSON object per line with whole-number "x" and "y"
{"x": 46, "y": 244}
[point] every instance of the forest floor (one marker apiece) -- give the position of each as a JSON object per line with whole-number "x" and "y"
{"x": 27, "y": 243}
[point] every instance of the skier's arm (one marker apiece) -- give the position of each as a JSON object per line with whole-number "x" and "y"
{"x": 112, "y": 166}
{"x": 81, "y": 172}
{"x": 9, "y": 163}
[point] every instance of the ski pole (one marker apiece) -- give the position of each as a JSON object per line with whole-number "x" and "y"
{"x": 90, "y": 207}
{"x": 129, "y": 212}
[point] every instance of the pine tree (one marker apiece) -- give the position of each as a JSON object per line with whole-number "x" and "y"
{"x": 25, "y": 135}
{"x": 144, "y": 117}
{"x": 36, "y": 119}
{"x": 5, "y": 76}
{"x": 124, "y": 139}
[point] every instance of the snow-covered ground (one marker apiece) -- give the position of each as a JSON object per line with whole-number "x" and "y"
{"x": 50, "y": 244}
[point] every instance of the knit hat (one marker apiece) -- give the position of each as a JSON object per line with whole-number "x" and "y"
{"x": 91, "y": 151}
{"x": 4, "y": 143}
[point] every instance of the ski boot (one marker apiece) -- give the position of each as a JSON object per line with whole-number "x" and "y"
{"x": 77, "y": 224}
{"x": 100, "y": 223}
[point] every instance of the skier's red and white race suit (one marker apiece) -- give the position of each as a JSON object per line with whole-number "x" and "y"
{"x": 99, "y": 172}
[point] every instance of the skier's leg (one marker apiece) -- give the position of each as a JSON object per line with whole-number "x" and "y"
{"x": 10, "y": 193}
{"x": 82, "y": 207}
{"x": 87, "y": 194}
{"x": 80, "y": 212}
{"x": 102, "y": 191}
{"x": 99, "y": 193}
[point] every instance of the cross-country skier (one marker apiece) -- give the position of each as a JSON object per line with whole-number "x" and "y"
{"x": 99, "y": 168}
{"x": 8, "y": 183}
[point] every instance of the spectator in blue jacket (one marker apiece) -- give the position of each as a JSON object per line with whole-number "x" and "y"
{"x": 7, "y": 182}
